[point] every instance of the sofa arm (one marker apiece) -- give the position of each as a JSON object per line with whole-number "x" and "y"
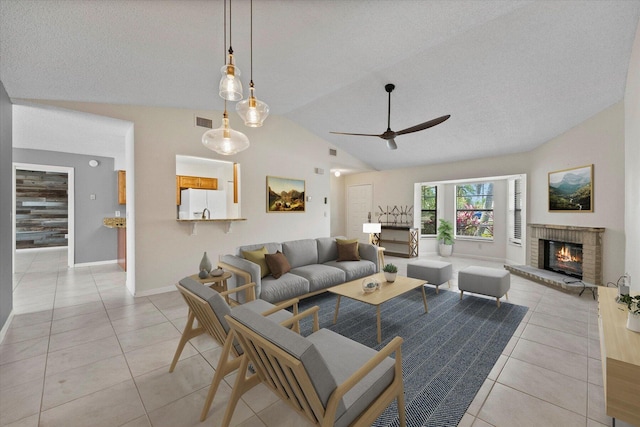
{"x": 369, "y": 252}
{"x": 244, "y": 271}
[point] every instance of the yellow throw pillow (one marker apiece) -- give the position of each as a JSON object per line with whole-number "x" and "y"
{"x": 257, "y": 256}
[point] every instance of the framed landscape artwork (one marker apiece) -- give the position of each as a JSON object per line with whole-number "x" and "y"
{"x": 285, "y": 194}
{"x": 571, "y": 190}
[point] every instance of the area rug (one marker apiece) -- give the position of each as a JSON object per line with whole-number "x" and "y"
{"x": 447, "y": 353}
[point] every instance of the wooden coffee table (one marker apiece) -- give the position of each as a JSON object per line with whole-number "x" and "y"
{"x": 386, "y": 292}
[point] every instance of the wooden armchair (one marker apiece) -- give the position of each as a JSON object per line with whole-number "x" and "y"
{"x": 209, "y": 308}
{"x": 329, "y": 379}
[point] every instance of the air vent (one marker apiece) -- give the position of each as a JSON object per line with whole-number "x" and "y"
{"x": 204, "y": 123}
{"x": 333, "y": 152}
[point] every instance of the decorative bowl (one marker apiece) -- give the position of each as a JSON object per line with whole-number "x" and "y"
{"x": 370, "y": 285}
{"x": 217, "y": 272}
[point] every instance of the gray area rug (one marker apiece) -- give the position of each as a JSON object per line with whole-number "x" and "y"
{"x": 447, "y": 353}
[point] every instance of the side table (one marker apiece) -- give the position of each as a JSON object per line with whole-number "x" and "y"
{"x": 217, "y": 283}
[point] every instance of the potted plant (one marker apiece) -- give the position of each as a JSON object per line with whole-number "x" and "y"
{"x": 390, "y": 272}
{"x": 445, "y": 237}
{"x": 633, "y": 306}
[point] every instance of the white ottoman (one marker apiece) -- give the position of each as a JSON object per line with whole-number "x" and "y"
{"x": 434, "y": 272}
{"x": 494, "y": 282}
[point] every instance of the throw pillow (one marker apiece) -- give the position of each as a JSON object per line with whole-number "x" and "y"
{"x": 278, "y": 264}
{"x": 257, "y": 256}
{"x": 348, "y": 252}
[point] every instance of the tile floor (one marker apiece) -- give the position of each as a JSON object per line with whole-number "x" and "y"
{"x": 81, "y": 351}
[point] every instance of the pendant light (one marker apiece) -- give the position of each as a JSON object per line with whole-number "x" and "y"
{"x": 230, "y": 88}
{"x": 225, "y": 140}
{"x": 252, "y": 111}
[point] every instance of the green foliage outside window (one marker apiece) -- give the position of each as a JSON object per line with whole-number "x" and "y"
{"x": 474, "y": 210}
{"x": 429, "y": 210}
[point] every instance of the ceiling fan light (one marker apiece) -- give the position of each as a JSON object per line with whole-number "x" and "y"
{"x": 252, "y": 111}
{"x": 225, "y": 140}
{"x": 230, "y": 87}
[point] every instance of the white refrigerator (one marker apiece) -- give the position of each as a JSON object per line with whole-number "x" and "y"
{"x": 194, "y": 202}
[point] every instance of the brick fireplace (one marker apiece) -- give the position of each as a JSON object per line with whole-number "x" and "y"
{"x": 589, "y": 237}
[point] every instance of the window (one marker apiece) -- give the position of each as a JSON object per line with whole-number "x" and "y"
{"x": 474, "y": 210}
{"x": 515, "y": 210}
{"x": 429, "y": 213}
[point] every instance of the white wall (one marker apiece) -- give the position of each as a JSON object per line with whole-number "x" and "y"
{"x": 165, "y": 250}
{"x": 632, "y": 169}
{"x": 599, "y": 141}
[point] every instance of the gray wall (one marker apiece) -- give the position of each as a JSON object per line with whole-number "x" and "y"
{"x": 6, "y": 247}
{"x": 93, "y": 241}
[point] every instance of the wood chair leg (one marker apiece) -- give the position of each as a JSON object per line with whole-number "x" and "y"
{"x": 401, "y": 410}
{"x": 242, "y": 384}
{"x": 225, "y": 367}
{"x": 188, "y": 333}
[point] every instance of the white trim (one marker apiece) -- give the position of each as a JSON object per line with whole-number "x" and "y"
{"x": 70, "y": 203}
{"x": 5, "y": 328}
{"x": 155, "y": 291}
{"x": 48, "y": 248}
{"x": 91, "y": 264}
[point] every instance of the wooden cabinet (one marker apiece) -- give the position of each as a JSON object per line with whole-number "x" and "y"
{"x": 620, "y": 356}
{"x": 122, "y": 187}
{"x": 202, "y": 183}
{"x": 399, "y": 241}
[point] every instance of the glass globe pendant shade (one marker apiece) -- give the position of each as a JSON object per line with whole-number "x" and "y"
{"x": 252, "y": 111}
{"x": 225, "y": 140}
{"x": 230, "y": 87}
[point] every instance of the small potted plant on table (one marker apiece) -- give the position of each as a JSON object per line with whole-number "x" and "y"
{"x": 633, "y": 306}
{"x": 390, "y": 272}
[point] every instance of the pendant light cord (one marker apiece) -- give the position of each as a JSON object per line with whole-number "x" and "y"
{"x": 230, "y": 29}
{"x": 251, "y": 40}
{"x": 224, "y": 17}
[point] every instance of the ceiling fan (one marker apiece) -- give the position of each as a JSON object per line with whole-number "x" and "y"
{"x": 390, "y": 135}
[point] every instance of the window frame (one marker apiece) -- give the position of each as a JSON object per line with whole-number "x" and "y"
{"x": 475, "y": 210}
{"x": 435, "y": 210}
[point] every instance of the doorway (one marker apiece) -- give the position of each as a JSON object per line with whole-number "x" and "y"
{"x": 47, "y": 235}
{"x": 359, "y": 209}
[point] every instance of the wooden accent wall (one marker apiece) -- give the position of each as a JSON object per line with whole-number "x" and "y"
{"x": 41, "y": 209}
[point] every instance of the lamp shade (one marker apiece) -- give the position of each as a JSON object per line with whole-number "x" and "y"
{"x": 230, "y": 87}
{"x": 252, "y": 110}
{"x": 371, "y": 227}
{"x": 225, "y": 140}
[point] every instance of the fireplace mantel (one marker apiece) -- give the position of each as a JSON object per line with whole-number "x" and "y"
{"x": 589, "y": 237}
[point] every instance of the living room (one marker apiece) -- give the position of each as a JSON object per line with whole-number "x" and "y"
{"x": 164, "y": 250}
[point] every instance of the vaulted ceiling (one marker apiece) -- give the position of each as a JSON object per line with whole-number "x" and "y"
{"x": 512, "y": 74}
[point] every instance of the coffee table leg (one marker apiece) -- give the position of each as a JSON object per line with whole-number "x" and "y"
{"x": 335, "y": 316}
{"x": 424, "y": 299}
{"x": 379, "y": 326}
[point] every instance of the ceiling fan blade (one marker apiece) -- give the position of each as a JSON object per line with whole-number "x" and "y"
{"x": 357, "y": 134}
{"x": 391, "y": 144}
{"x": 424, "y": 125}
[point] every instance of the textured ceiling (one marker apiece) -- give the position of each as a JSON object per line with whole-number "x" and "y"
{"x": 512, "y": 74}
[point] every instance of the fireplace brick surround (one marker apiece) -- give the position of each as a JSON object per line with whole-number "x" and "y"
{"x": 589, "y": 237}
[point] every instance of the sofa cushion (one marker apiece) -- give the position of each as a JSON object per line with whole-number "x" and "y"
{"x": 286, "y": 287}
{"x": 327, "y": 249}
{"x": 354, "y": 269}
{"x": 301, "y": 252}
{"x": 258, "y": 257}
{"x": 278, "y": 264}
{"x": 320, "y": 276}
{"x": 348, "y": 252}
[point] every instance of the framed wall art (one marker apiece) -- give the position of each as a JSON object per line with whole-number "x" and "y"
{"x": 571, "y": 190}
{"x": 285, "y": 194}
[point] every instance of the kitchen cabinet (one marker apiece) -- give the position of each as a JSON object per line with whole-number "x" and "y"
{"x": 200, "y": 182}
{"x": 122, "y": 187}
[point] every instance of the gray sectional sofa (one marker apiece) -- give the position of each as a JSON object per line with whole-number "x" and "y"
{"x": 314, "y": 268}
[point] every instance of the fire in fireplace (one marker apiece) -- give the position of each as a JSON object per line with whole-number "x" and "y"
{"x": 563, "y": 257}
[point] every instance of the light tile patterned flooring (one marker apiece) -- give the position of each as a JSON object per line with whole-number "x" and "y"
{"x": 81, "y": 351}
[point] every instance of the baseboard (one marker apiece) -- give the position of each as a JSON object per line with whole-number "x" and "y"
{"x": 5, "y": 328}
{"x": 94, "y": 263}
{"x": 156, "y": 291}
